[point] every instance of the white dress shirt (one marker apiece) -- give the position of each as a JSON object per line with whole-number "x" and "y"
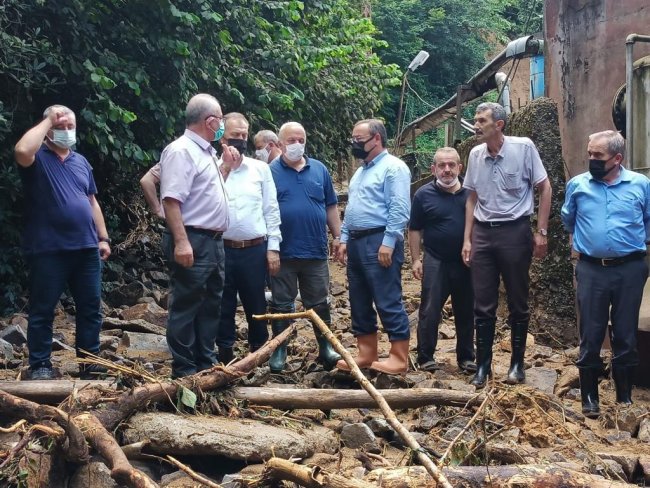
{"x": 253, "y": 204}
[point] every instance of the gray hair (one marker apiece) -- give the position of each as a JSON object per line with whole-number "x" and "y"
{"x": 498, "y": 112}
{"x": 375, "y": 126}
{"x": 267, "y": 136}
{"x": 614, "y": 140}
{"x": 49, "y": 109}
{"x": 199, "y": 107}
{"x": 288, "y": 126}
{"x": 447, "y": 150}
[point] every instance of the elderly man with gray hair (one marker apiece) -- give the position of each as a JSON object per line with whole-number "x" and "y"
{"x": 196, "y": 210}
{"x": 607, "y": 212}
{"x": 502, "y": 175}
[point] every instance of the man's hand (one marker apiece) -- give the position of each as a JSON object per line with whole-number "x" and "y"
{"x": 334, "y": 247}
{"x": 273, "y": 262}
{"x": 183, "y": 254}
{"x": 342, "y": 254}
{"x": 541, "y": 245}
{"x": 230, "y": 157}
{"x": 417, "y": 269}
{"x": 385, "y": 256}
{"x": 57, "y": 116}
{"x": 104, "y": 251}
{"x": 466, "y": 252}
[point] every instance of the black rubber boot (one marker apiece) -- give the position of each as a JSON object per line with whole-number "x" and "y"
{"x": 622, "y": 376}
{"x": 326, "y": 353}
{"x": 484, "y": 341}
{"x": 225, "y": 355}
{"x": 279, "y": 356}
{"x": 589, "y": 392}
{"x": 518, "y": 334}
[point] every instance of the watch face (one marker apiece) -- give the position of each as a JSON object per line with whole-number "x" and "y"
{"x": 544, "y": 232}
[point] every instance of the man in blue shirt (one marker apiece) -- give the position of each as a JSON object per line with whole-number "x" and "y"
{"x": 307, "y": 208}
{"x": 607, "y": 211}
{"x": 372, "y": 243}
{"x": 65, "y": 238}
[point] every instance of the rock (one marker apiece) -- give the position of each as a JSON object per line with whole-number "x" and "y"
{"x": 573, "y": 394}
{"x": 618, "y": 436}
{"x": 148, "y": 311}
{"x": 177, "y": 479}
{"x": 446, "y": 331}
{"x": 418, "y": 436}
{"x": 381, "y": 428}
{"x": 608, "y": 468}
{"x": 626, "y": 419}
{"x": 95, "y": 474}
{"x": 113, "y": 270}
{"x": 159, "y": 277}
{"x": 126, "y": 294}
{"x": 359, "y": 436}
{"x": 567, "y": 380}
{"x": 19, "y": 319}
{"x": 626, "y": 461}
{"x": 14, "y": 335}
{"x": 644, "y": 430}
{"x": 541, "y": 352}
{"x": 230, "y": 481}
{"x": 6, "y": 350}
{"x": 136, "y": 342}
{"x": 542, "y": 379}
{"x": 247, "y": 440}
{"x": 644, "y": 463}
{"x": 162, "y": 298}
{"x": 389, "y": 381}
{"x": 337, "y": 288}
{"x": 136, "y": 325}
{"x": 506, "y": 346}
{"x": 429, "y": 418}
{"x": 58, "y": 345}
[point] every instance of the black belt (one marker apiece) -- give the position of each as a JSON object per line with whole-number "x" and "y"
{"x": 634, "y": 256}
{"x": 501, "y": 223}
{"x": 214, "y": 234}
{"x": 357, "y": 234}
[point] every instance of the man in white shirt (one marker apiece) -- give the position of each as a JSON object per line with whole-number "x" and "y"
{"x": 267, "y": 146}
{"x": 252, "y": 241}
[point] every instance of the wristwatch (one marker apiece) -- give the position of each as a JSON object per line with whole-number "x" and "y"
{"x": 543, "y": 232}
{"x": 105, "y": 239}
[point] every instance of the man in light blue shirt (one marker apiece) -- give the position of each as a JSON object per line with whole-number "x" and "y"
{"x": 372, "y": 243}
{"x": 607, "y": 211}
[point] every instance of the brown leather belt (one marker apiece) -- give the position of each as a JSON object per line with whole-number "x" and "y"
{"x": 243, "y": 244}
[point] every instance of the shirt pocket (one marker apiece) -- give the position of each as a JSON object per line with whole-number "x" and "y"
{"x": 511, "y": 181}
{"x": 315, "y": 191}
{"x": 626, "y": 211}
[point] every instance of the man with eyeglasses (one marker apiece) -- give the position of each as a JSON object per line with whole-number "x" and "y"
{"x": 372, "y": 245}
{"x": 438, "y": 219}
{"x": 196, "y": 210}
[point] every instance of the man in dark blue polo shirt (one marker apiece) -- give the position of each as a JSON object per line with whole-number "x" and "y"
{"x": 65, "y": 237}
{"x": 307, "y": 208}
{"x": 438, "y": 216}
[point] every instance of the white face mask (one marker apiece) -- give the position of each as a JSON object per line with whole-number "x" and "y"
{"x": 294, "y": 151}
{"x": 65, "y": 139}
{"x": 442, "y": 184}
{"x": 263, "y": 154}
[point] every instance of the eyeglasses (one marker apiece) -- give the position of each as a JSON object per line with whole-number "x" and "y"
{"x": 356, "y": 139}
{"x": 220, "y": 117}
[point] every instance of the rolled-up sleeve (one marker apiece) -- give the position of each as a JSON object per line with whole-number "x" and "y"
{"x": 177, "y": 172}
{"x": 398, "y": 202}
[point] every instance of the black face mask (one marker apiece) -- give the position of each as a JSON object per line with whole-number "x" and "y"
{"x": 358, "y": 150}
{"x": 597, "y": 168}
{"x": 240, "y": 144}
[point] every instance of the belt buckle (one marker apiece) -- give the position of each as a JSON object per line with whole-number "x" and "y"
{"x": 239, "y": 244}
{"x": 494, "y": 224}
{"x": 605, "y": 262}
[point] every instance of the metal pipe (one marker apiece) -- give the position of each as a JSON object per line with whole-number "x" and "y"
{"x": 629, "y": 92}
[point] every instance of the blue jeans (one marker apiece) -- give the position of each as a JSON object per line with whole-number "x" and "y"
{"x": 246, "y": 274}
{"x": 49, "y": 274}
{"x": 370, "y": 282}
{"x": 195, "y": 303}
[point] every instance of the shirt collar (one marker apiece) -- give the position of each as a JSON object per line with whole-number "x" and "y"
{"x": 284, "y": 164}
{"x": 45, "y": 147}
{"x": 376, "y": 159}
{"x": 500, "y": 154}
{"x": 202, "y": 143}
{"x": 624, "y": 175}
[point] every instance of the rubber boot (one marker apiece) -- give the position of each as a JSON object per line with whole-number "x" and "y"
{"x": 279, "y": 356}
{"x": 622, "y": 376}
{"x": 398, "y": 359}
{"x": 518, "y": 334}
{"x": 367, "y": 346}
{"x": 484, "y": 341}
{"x": 589, "y": 392}
{"x": 225, "y": 355}
{"x": 326, "y": 353}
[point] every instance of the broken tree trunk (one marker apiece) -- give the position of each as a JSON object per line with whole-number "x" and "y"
{"x": 397, "y": 426}
{"x": 520, "y": 475}
{"x": 310, "y": 477}
{"x": 49, "y": 392}
{"x": 293, "y": 398}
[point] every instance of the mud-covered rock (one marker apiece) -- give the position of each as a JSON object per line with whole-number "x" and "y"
{"x": 359, "y": 436}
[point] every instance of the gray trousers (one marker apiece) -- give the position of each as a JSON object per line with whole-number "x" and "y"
{"x": 312, "y": 276}
{"x": 195, "y": 303}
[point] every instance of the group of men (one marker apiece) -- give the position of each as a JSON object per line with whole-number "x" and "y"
{"x": 234, "y": 223}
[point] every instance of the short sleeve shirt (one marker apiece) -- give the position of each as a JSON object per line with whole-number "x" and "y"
{"x": 303, "y": 197}
{"x": 504, "y": 184}
{"x": 58, "y": 214}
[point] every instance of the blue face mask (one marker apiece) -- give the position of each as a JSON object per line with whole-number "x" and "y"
{"x": 219, "y": 134}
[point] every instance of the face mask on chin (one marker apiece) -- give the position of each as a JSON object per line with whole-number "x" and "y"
{"x": 294, "y": 152}
{"x": 446, "y": 186}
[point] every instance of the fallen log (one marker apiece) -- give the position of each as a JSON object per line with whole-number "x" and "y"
{"x": 47, "y": 391}
{"x": 519, "y": 475}
{"x": 310, "y": 477}
{"x": 329, "y": 399}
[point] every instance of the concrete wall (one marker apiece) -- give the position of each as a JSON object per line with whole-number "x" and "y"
{"x": 585, "y": 64}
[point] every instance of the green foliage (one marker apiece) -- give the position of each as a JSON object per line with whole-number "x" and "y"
{"x": 128, "y": 69}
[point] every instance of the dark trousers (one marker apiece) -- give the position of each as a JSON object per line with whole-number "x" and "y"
{"x": 605, "y": 292}
{"x": 311, "y": 275}
{"x": 246, "y": 275}
{"x": 504, "y": 252}
{"x": 369, "y": 283}
{"x": 441, "y": 279}
{"x": 49, "y": 274}
{"x": 195, "y": 303}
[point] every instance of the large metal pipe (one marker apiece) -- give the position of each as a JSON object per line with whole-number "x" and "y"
{"x": 629, "y": 92}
